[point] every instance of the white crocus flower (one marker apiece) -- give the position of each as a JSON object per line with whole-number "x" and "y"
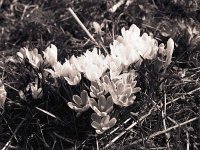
{"x": 67, "y": 70}
{"x": 92, "y": 64}
{"x": 22, "y": 54}
{"x": 79, "y": 63}
{"x": 103, "y": 106}
{"x": 80, "y": 103}
{"x": 70, "y": 73}
{"x": 101, "y": 124}
{"x": 164, "y": 57}
{"x": 114, "y": 65}
{"x": 96, "y": 65}
{"x": 131, "y": 47}
{"x": 50, "y": 54}
{"x": 94, "y": 73}
{"x": 57, "y": 70}
{"x": 124, "y": 52}
{"x": 36, "y": 91}
{"x": 33, "y": 57}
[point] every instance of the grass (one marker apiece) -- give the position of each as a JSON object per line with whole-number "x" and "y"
{"x": 165, "y": 114}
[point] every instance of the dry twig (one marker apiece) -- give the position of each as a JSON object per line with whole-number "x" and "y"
{"x": 165, "y": 131}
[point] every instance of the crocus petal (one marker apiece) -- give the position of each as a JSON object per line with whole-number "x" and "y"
{"x": 101, "y": 102}
{"x": 74, "y": 107}
{"x": 84, "y": 97}
{"x": 99, "y": 113}
{"x": 105, "y": 119}
{"x": 99, "y": 131}
{"x": 112, "y": 122}
{"x": 77, "y": 100}
{"x": 96, "y": 118}
{"x": 109, "y": 105}
{"x": 92, "y": 103}
{"x": 96, "y": 125}
{"x": 136, "y": 90}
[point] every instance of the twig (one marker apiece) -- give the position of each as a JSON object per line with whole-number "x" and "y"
{"x": 191, "y": 92}
{"x": 63, "y": 138}
{"x": 172, "y": 120}
{"x": 10, "y": 129}
{"x": 127, "y": 120}
{"x": 10, "y": 140}
{"x": 131, "y": 126}
{"x": 164, "y": 114}
{"x": 86, "y": 30}
{"x": 154, "y": 108}
{"x": 50, "y": 114}
{"x": 11, "y": 87}
{"x": 82, "y": 26}
{"x": 165, "y": 131}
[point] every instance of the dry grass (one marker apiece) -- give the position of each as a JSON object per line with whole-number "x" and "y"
{"x": 166, "y": 112}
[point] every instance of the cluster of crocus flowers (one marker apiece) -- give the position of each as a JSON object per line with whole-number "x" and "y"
{"x": 131, "y": 48}
{"x": 106, "y": 92}
{"x": 91, "y": 64}
{"x": 112, "y": 81}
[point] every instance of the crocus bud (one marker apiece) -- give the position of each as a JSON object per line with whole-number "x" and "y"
{"x": 97, "y": 27}
{"x": 3, "y": 94}
{"x": 169, "y": 51}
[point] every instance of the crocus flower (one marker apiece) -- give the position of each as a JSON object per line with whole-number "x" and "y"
{"x": 3, "y": 95}
{"x": 80, "y": 104}
{"x": 96, "y": 65}
{"x": 101, "y": 124}
{"x": 36, "y": 91}
{"x": 114, "y": 65}
{"x": 92, "y": 64}
{"x": 96, "y": 89}
{"x": 100, "y": 87}
{"x": 57, "y": 70}
{"x": 79, "y": 63}
{"x": 70, "y": 73}
{"x": 123, "y": 89}
{"x": 103, "y": 107}
{"x": 164, "y": 56}
{"x": 67, "y": 70}
{"x": 22, "y": 54}
{"x": 122, "y": 95}
{"x": 33, "y": 57}
{"x": 131, "y": 47}
{"x": 50, "y": 55}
